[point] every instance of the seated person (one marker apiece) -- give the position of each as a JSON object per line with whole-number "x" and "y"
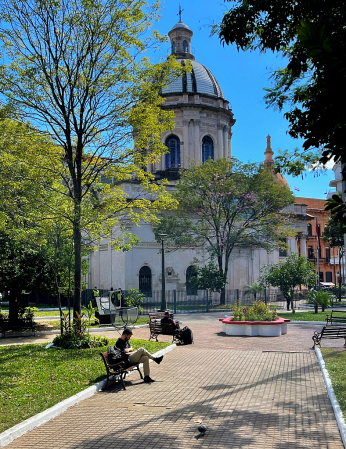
{"x": 168, "y": 320}
{"x": 141, "y": 355}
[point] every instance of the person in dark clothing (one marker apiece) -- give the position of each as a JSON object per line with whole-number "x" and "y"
{"x": 141, "y": 355}
{"x": 168, "y": 320}
{"x": 288, "y": 300}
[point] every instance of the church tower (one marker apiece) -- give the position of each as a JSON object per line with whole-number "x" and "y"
{"x": 203, "y": 120}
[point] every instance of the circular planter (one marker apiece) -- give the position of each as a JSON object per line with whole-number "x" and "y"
{"x": 255, "y": 328}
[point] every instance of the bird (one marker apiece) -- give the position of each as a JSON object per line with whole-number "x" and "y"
{"x": 202, "y": 429}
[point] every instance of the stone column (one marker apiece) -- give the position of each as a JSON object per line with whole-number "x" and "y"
{"x": 303, "y": 246}
{"x": 184, "y": 161}
{"x": 225, "y": 142}
{"x": 198, "y": 150}
{"x": 219, "y": 153}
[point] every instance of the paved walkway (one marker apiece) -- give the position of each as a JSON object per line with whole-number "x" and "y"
{"x": 251, "y": 392}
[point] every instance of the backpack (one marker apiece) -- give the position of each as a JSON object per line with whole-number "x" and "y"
{"x": 117, "y": 356}
{"x": 186, "y": 336}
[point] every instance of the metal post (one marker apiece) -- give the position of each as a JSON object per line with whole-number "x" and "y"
{"x": 238, "y": 295}
{"x": 265, "y": 296}
{"x": 163, "y": 293}
{"x": 175, "y": 301}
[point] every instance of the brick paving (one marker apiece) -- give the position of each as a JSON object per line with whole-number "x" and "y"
{"x": 263, "y": 393}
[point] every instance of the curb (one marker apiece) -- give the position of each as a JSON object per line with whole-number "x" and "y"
{"x": 29, "y": 424}
{"x": 336, "y": 407}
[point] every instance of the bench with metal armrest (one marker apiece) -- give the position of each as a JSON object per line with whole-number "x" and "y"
{"x": 329, "y": 332}
{"x": 336, "y": 316}
{"x": 118, "y": 370}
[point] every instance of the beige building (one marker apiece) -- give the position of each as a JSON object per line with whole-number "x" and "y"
{"x": 203, "y": 129}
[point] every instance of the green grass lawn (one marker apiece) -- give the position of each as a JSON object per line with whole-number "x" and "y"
{"x": 33, "y": 379}
{"x": 304, "y": 316}
{"x": 56, "y": 323}
{"x": 335, "y": 364}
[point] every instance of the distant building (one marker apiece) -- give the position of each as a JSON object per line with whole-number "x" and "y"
{"x": 329, "y": 258}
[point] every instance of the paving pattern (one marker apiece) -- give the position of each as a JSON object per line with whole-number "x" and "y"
{"x": 250, "y": 392}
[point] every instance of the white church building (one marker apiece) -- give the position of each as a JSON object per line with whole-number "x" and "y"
{"x": 203, "y": 129}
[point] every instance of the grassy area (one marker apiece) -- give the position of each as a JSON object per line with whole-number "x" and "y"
{"x": 335, "y": 364}
{"x": 56, "y": 323}
{"x": 33, "y": 379}
{"x": 304, "y": 316}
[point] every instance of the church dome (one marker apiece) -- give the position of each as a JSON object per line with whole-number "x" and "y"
{"x": 181, "y": 25}
{"x": 199, "y": 81}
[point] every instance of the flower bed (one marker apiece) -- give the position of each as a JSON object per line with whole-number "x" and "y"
{"x": 255, "y": 328}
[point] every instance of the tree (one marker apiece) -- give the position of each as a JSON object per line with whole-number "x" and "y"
{"x": 225, "y": 205}
{"x": 21, "y": 268}
{"x": 76, "y": 71}
{"x": 312, "y": 36}
{"x": 334, "y": 234}
{"x": 254, "y": 289}
{"x": 206, "y": 278}
{"x": 289, "y": 274}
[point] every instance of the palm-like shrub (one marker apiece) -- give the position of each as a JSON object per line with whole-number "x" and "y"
{"x": 318, "y": 298}
{"x": 254, "y": 289}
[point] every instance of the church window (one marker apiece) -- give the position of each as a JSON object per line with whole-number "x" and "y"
{"x": 207, "y": 149}
{"x": 283, "y": 250}
{"x": 145, "y": 281}
{"x": 190, "y": 272}
{"x": 309, "y": 230}
{"x": 185, "y": 47}
{"x": 173, "y": 156}
{"x": 173, "y": 47}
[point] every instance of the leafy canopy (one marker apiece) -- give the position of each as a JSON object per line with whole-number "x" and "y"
{"x": 288, "y": 274}
{"x": 312, "y": 36}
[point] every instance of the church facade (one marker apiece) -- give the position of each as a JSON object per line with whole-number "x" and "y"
{"x": 203, "y": 129}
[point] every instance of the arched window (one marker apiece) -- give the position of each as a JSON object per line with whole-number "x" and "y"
{"x": 173, "y": 47}
{"x": 185, "y": 47}
{"x": 173, "y": 157}
{"x": 145, "y": 281}
{"x": 207, "y": 149}
{"x": 309, "y": 230}
{"x": 190, "y": 272}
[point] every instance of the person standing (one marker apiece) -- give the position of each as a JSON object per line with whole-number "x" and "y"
{"x": 95, "y": 293}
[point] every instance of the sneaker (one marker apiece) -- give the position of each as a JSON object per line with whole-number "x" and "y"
{"x": 148, "y": 379}
{"x": 158, "y": 360}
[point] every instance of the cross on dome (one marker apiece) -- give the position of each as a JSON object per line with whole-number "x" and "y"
{"x": 179, "y": 13}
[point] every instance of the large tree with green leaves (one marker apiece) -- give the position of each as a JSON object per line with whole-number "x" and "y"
{"x": 312, "y": 37}
{"x": 289, "y": 274}
{"x": 225, "y": 205}
{"x": 76, "y": 70}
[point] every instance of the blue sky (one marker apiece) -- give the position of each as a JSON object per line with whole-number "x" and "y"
{"x": 242, "y": 77}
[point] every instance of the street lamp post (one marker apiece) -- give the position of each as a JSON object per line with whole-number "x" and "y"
{"x": 163, "y": 294}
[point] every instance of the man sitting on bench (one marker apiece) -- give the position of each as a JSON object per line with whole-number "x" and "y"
{"x": 168, "y": 320}
{"x": 141, "y": 355}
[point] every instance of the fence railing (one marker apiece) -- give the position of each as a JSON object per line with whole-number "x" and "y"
{"x": 179, "y": 301}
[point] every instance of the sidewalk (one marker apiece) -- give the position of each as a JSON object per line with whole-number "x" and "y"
{"x": 250, "y": 392}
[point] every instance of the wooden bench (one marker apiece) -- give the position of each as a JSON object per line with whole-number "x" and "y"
{"x": 118, "y": 370}
{"x": 329, "y": 332}
{"x": 159, "y": 315}
{"x": 156, "y": 329}
{"x": 334, "y": 317}
{"x": 21, "y": 324}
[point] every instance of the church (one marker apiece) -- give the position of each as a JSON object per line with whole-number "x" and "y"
{"x": 203, "y": 129}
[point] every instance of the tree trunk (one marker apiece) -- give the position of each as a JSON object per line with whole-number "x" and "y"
{"x": 13, "y": 307}
{"x": 316, "y": 308}
{"x": 77, "y": 238}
